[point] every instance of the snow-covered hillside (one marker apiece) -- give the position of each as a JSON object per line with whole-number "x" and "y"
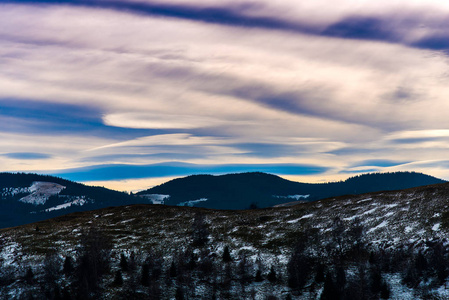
{"x": 41, "y": 191}
{"x": 27, "y": 198}
{"x": 385, "y": 231}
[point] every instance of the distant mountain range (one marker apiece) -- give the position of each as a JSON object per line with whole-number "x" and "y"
{"x": 246, "y": 190}
{"x": 27, "y": 198}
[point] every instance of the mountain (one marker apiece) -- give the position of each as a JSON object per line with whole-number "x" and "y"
{"x": 241, "y": 191}
{"x": 26, "y": 198}
{"x": 383, "y": 245}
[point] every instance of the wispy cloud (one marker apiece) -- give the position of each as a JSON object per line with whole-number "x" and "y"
{"x": 26, "y": 155}
{"x": 244, "y": 84}
{"x": 117, "y": 172}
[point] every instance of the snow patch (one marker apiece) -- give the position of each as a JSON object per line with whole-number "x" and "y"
{"x": 408, "y": 229}
{"x": 381, "y": 225}
{"x": 156, "y": 198}
{"x": 370, "y": 211}
{"x": 191, "y": 203}
{"x": 41, "y": 191}
{"x": 303, "y": 217}
{"x": 364, "y": 200}
{"x": 78, "y": 201}
{"x": 294, "y": 197}
{"x": 391, "y": 205}
{"x": 436, "y": 227}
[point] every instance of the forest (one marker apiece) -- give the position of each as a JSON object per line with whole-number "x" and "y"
{"x": 343, "y": 267}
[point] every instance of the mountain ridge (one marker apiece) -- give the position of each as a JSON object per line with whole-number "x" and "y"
{"x": 26, "y": 198}
{"x": 256, "y": 189}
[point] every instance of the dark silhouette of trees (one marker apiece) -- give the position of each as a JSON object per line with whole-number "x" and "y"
{"x": 52, "y": 271}
{"x": 272, "y": 277}
{"x": 145, "y": 275}
{"x": 200, "y": 231}
{"x": 258, "y": 277}
{"x": 226, "y": 255}
{"x": 68, "y": 267}
{"x": 118, "y": 278}
{"x": 123, "y": 262}
{"x": 29, "y": 276}
{"x": 93, "y": 262}
{"x": 299, "y": 267}
{"x": 173, "y": 272}
{"x": 330, "y": 290}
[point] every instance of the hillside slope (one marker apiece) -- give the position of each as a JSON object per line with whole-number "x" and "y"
{"x": 26, "y": 198}
{"x": 240, "y": 191}
{"x": 394, "y": 236}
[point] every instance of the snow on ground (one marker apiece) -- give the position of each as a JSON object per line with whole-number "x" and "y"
{"x": 11, "y": 191}
{"x": 391, "y": 205}
{"x": 351, "y": 218}
{"x": 381, "y": 225}
{"x": 41, "y": 191}
{"x": 299, "y": 219}
{"x": 192, "y": 203}
{"x": 436, "y": 227}
{"x": 364, "y": 200}
{"x": 399, "y": 291}
{"x": 156, "y": 198}
{"x": 295, "y": 197}
{"x": 408, "y": 229}
{"x": 79, "y": 201}
{"x": 10, "y": 253}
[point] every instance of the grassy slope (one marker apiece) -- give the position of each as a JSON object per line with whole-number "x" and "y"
{"x": 391, "y": 218}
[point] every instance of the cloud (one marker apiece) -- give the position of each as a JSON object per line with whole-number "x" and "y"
{"x": 378, "y": 163}
{"x": 387, "y": 24}
{"x": 27, "y": 155}
{"x": 31, "y": 116}
{"x": 209, "y": 83}
{"x": 117, "y": 172}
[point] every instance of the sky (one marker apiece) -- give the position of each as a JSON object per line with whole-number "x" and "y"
{"x": 130, "y": 94}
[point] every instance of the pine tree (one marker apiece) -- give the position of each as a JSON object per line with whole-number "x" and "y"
{"x": 179, "y": 294}
{"x": 29, "y": 276}
{"x": 330, "y": 291}
{"x": 200, "y": 232}
{"x": 173, "y": 271}
{"x": 272, "y": 275}
{"x": 258, "y": 277}
{"x": 123, "y": 263}
{"x": 319, "y": 276}
{"x": 118, "y": 279}
{"x": 226, "y": 255}
{"x": 145, "y": 275}
{"x": 68, "y": 266}
{"x": 385, "y": 291}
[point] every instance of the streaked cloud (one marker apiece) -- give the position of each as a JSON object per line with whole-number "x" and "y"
{"x": 26, "y": 155}
{"x": 244, "y": 84}
{"x": 117, "y": 172}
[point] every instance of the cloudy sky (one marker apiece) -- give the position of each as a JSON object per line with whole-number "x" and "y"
{"x": 130, "y": 93}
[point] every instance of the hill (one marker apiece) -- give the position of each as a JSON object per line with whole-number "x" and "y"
{"x": 241, "y": 191}
{"x": 385, "y": 245}
{"x": 26, "y": 198}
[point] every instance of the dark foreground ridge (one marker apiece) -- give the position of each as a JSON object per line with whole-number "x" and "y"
{"x": 386, "y": 245}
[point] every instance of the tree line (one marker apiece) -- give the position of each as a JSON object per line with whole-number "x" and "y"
{"x": 344, "y": 266}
